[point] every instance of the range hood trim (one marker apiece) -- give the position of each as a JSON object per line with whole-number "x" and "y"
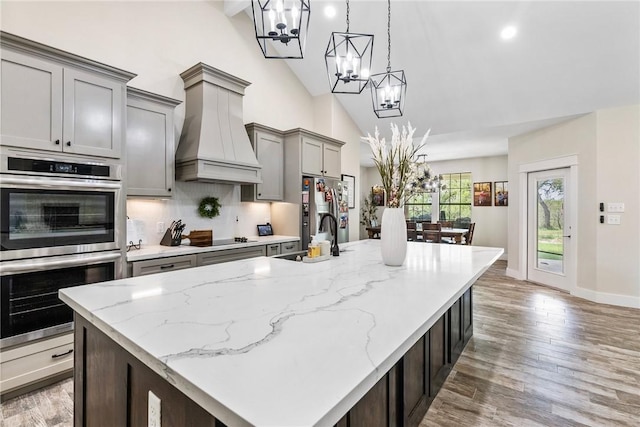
{"x": 214, "y": 145}
{"x": 202, "y": 72}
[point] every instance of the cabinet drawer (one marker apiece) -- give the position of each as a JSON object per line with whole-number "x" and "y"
{"x": 289, "y": 247}
{"x": 20, "y": 366}
{"x": 273, "y": 249}
{"x": 161, "y": 265}
{"x": 217, "y": 257}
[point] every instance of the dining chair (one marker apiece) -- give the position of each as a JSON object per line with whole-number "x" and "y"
{"x": 431, "y": 233}
{"x": 411, "y": 231}
{"x": 447, "y": 224}
{"x": 468, "y": 237}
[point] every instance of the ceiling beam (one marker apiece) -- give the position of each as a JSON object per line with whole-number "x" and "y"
{"x": 233, "y": 7}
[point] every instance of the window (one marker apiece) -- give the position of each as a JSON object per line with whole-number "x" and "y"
{"x": 417, "y": 207}
{"x": 455, "y": 201}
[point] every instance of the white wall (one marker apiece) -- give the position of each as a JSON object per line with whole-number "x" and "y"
{"x": 158, "y": 41}
{"x": 607, "y": 145}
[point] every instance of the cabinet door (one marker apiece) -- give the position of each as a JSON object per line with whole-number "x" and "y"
{"x": 93, "y": 110}
{"x": 31, "y": 94}
{"x": 150, "y": 150}
{"x": 331, "y": 159}
{"x": 311, "y": 157}
{"x": 270, "y": 155}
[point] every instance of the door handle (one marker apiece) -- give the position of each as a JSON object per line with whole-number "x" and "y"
{"x": 569, "y": 236}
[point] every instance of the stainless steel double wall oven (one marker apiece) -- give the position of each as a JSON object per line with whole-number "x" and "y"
{"x": 60, "y": 222}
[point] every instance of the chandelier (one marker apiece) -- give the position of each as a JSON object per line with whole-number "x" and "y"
{"x": 424, "y": 179}
{"x": 388, "y": 89}
{"x": 348, "y": 60}
{"x": 281, "y": 27}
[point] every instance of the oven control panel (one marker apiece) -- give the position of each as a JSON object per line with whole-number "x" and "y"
{"x": 51, "y": 166}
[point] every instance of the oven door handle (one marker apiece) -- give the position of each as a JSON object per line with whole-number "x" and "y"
{"x": 57, "y": 183}
{"x": 41, "y": 264}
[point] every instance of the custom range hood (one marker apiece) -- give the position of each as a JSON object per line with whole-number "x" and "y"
{"x": 214, "y": 146}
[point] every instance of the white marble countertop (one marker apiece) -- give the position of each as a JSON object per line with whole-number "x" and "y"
{"x": 271, "y": 342}
{"x": 158, "y": 251}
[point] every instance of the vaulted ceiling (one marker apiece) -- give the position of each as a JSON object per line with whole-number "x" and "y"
{"x": 472, "y": 88}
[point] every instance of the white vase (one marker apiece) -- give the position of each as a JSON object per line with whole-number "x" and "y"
{"x": 393, "y": 236}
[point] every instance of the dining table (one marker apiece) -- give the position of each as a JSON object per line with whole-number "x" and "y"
{"x": 455, "y": 233}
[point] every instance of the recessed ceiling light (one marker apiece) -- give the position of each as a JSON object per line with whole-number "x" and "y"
{"x": 329, "y": 11}
{"x": 508, "y": 32}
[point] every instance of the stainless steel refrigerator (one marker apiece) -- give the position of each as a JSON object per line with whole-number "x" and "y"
{"x": 319, "y": 196}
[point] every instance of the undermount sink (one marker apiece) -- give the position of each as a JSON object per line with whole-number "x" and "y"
{"x": 292, "y": 256}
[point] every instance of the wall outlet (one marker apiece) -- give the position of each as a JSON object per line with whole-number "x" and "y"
{"x": 153, "y": 413}
{"x": 160, "y": 227}
{"x": 613, "y": 219}
{"x": 615, "y": 207}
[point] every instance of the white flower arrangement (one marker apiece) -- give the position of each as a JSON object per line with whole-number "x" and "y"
{"x": 395, "y": 161}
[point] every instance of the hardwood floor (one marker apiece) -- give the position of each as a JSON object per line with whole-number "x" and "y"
{"x": 538, "y": 357}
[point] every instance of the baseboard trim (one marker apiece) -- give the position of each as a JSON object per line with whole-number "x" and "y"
{"x": 607, "y": 298}
{"x": 515, "y": 274}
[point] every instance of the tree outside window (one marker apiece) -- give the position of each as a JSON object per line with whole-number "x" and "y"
{"x": 455, "y": 201}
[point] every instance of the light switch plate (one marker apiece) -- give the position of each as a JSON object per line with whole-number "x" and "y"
{"x": 613, "y": 219}
{"x": 153, "y": 414}
{"x": 615, "y": 207}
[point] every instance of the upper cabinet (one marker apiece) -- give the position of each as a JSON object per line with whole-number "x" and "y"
{"x": 318, "y": 155}
{"x": 56, "y": 101}
{"x": 150, "y": 144}
{"x": 308, "y": 154}
{"x": 268, "y": 145}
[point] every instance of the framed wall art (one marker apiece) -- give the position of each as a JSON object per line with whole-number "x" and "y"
{"x": 501, "y": 195}
{"x": 351, "y": 190}
{"x": 377, "y": 195}
{"x": 482, "y": 194}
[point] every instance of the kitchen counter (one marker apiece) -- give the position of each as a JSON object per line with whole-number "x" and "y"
{"x": 271, "y": 342}
{"x": 158, "y": 251}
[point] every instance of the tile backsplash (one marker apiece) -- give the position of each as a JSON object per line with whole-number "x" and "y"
{"x": 184, "y": 205}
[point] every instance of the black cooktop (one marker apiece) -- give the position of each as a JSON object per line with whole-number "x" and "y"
{"x": 232, "y": 241}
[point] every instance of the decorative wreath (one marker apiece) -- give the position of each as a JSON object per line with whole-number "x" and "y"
{"x": 209, "y": 207}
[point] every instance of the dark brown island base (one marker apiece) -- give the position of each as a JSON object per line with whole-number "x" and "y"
{"x": 111, "y": 384}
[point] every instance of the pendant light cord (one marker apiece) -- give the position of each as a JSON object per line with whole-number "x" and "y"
{"x": 347, "y": 16}
{"x": 388, "y": 36}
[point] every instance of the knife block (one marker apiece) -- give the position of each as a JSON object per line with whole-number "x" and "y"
{"x": 167, "y": 240}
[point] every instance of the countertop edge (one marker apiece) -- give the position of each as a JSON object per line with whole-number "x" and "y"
{"x": 158, "y": 251}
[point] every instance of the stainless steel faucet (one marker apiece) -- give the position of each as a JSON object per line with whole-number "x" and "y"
{"x": 333, "y": 225}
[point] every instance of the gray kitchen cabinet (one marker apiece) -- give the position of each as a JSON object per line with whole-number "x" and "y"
{"x": 289, "y": 247}
{"x": 56, "y": 101}
{"x": 150, "y": 144}
{"x": 162, "y": 265}
{"x": 217, "y": 257}
{"x": 317, "y": 155}
{"x": 268, "y": 145}
{"x": 24, "y": 365}
{"x": 307, "y": 154}
{"x": 273, "y": 249}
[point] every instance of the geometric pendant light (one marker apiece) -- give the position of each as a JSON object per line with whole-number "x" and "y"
{"x": 388, "y": 90}
{"x": 281, "y": 27}
{"x": 348, "y": 60}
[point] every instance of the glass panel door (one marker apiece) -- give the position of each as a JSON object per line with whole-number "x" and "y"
{"x": 549, "y": 234}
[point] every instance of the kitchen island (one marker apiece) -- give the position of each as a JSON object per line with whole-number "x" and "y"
{"x": 270, "y": 342}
